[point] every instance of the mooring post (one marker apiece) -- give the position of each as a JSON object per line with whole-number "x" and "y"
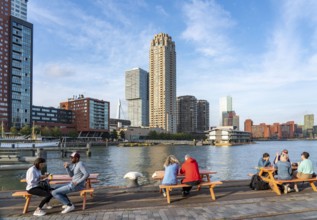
{"x": 88, "y": 152}
{"x": 33, "y": 150}
{"x": 43, "y": 154}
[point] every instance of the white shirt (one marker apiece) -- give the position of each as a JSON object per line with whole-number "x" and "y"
{"x": 33, "y": 177}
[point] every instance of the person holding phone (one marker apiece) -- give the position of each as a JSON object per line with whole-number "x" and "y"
{"x": 33, "y": 179}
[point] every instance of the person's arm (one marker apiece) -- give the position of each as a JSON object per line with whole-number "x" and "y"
{"x": 182, "y": 170}
{"x": 300, "y": 168}
{"x": 276, "y": 158}
{"x": 260, "y": 163}
{"x": 68, "y": 169}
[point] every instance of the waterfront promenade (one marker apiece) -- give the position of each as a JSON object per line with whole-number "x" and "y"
{"x": 234, "y": 201}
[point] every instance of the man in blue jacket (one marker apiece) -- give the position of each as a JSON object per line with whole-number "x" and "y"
{"x": 79, "y": 175}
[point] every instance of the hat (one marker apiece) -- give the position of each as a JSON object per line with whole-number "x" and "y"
{"x": 75, "y": 154}
{"x": 285, "y": 151}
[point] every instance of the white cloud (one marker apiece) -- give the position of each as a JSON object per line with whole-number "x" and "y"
{"x": 206, "y": 26}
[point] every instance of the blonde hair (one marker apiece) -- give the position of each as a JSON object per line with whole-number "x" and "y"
{"x": 171, "y": 159}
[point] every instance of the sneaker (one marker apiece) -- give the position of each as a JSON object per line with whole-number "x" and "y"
{"x": 68, "y": 209}
{"x": 185, "y": 193}
{"x": 296, "y": 188}
{"x": 64, "y": 206}
{"x": 47, "y": 206}
{"x": 39, "y": 212}
{"x": 164, "y": 194}
{"x": 285, "y": 189}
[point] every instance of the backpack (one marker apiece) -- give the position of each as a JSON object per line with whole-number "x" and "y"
{"x": 258, "y": 184}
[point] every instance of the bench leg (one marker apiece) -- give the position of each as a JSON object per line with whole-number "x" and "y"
{"x": 313, "y": 186}
{"x": 27, "y": 203}
{"x": 275, "y": 188}
{"x": 84, "y": 201}
{"x": 212, "y": 193}
{"x": 168, "y": 197}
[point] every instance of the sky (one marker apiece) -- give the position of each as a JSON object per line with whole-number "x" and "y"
{"x": 262, "y": 53}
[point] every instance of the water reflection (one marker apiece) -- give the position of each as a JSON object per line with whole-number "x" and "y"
{"x": 113, "y": 163}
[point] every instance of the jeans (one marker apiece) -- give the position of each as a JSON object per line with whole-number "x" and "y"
{"x": 187, "y": 189}
{"x": 42, "y": 193}
{"x": 60, "y": 192}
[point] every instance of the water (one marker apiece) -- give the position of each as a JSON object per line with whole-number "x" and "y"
{"x": 231, "y": 163}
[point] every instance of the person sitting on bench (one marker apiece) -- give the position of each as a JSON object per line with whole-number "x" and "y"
{"x": 79, "y": 175}
{"x": 191, "y": 171}
{"x": 305, "y": 169}
{"x": 33, "y": 178}
{"x": 171, "y": 170}
{"x": 284, "y": 168}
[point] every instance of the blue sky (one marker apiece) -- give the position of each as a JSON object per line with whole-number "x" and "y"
{"x": 262, "y": 53}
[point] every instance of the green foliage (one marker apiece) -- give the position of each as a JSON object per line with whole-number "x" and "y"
{"x": 26, "y": 130}
{"x": 13, "y": 131}
{"x": 46, "y": 131}
{"x": 56, "y": 132}
{"x": 153, "y": 135}
{"x": 72, "y": 133}
{"x": 122, "y": 134}
{"x": 114, "y": 134}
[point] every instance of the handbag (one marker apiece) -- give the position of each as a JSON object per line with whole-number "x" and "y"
{"x": 44, "y": 184}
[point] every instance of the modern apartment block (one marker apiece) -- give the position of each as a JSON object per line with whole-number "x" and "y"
{"x": 16, "y": 56}
{"x": 202, "y": 115}
{"x": 137, "y": 96}
{"x": 286, "y": 130}
{"x": 225, "y": 105}
{"x": 162, "y": 83}
{"x": 308, "y": 125}
{"x": 186, "y": 114}
{"x": 91, "y": 116}
{"x": 53, "y": 117}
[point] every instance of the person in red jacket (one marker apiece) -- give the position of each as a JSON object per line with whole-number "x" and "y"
{"x": 191, "y": 171}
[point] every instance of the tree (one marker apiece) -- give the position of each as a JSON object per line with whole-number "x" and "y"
{"x": 13, "y": 131}
{"x": 46, "y": 131}
{"x": 72, "y": 133}
{"x": 122, "y": 134}
{"x": 152, "y": 135}
{"x": 56, "y": 132}
{"x": 114, "y": 134}
{"x": 26, "y": 130}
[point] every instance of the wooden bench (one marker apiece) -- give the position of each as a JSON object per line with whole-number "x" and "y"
{"x": 27, "y": 196}
{"x": 211, "y": 186}
{"x": 310, "y": 181}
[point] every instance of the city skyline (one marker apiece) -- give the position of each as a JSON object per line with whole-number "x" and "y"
{"x": 263, "y": 54}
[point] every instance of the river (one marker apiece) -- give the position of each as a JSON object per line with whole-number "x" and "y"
{"x": 231, "y": 163}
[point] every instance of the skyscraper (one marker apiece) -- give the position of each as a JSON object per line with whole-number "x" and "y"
{"x": 137, "y": 95}
{"x": 202, "y": 115}
{"x": 162, "y": 83}
{"x": 186, "y": 114}
{"x": 16, "y": 56}
{"x": 225, "y": 105}
{"x": 308, "y": 125}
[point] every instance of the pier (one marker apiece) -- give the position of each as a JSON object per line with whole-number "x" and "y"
{"x": 235, "y": 200}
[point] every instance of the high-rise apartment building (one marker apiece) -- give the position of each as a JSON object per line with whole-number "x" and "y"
{"x": 16, "y": 61}
{"x": 186, "y": 114}
{"x": 248, "y": 123}
{"x": 162, "y": 82}
{"x": 225, "y": 105}
{"x": 308, "y": 125}
{"x": 202, "y": 115}
{"x": 137, "y": 96}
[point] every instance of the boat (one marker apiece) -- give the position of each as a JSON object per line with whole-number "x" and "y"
{"x": 31, "y": 144}
{"x": 228, "y": 136}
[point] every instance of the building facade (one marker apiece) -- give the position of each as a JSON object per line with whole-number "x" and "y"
{"x": 53, "y": 117}
{"x": 202, "y": 115}
{"x": 16, "y": 56}
{"x": 230, "y": 118}
{"x": 91, "y": 116}
{"x": 225, "y": 105}
{"x": 308, "y": 125}
{"x": 186, "y": 114}
{"x": 162, "y": 83}
{"x": 137, "y": 96}
{"x": 248, "y": 123}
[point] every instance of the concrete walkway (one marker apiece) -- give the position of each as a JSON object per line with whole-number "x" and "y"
{"x": 234, "y": 201}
